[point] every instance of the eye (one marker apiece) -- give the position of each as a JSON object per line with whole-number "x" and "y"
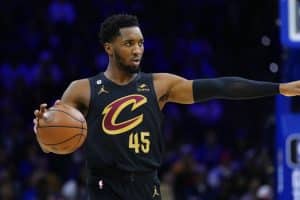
{"x": 141, "y": 43}
{"x": 127, "y": 43}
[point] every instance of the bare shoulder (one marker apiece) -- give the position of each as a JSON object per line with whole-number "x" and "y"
{"x": 79, "y": 88}
{"x": 164, "y": 76}
{"x": 167, "y": 79}
{"x": 78, "y": 95}
{"x": 81, "y": 83}
{"x": 171, "y": 88}
{"x": 161, "y": 82}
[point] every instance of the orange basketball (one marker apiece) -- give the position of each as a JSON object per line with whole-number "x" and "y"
{"x": 62, "y": 129}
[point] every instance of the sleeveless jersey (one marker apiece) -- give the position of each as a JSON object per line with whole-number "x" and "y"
{"x": 124, "y": 125}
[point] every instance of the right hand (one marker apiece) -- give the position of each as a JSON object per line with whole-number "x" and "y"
{"x": 39, "y": 115}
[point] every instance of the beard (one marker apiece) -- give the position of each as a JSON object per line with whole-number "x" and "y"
{"x": 124, "y": 67}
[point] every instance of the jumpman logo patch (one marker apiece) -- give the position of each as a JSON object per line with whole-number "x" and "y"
{"x": 102, "y": 90}
{"x": 155, "y": 192}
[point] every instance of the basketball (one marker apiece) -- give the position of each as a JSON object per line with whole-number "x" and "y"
{"x": 62, "y": 129}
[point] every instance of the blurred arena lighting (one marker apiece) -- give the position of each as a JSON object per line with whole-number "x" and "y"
{"x": 273, "y": 67}
{"x": 265, "y": 40}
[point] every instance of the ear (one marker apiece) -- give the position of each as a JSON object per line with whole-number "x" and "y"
{"x": 108, "y": 48}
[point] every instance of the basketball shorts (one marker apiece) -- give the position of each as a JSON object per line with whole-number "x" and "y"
{"x": 120, "y": 185}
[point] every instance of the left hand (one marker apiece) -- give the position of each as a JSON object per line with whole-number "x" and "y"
{"x": 290, "y": 89}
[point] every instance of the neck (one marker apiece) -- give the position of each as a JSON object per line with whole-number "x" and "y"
{"x": 118, "y": 76}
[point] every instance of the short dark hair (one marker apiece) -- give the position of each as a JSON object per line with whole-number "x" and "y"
{"x": 110, "y": 28}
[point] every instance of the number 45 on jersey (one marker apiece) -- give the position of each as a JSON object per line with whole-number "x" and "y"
{"x": 140, "y": 142}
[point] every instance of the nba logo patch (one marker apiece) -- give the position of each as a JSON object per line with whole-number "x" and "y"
{"x": 100, "y": 184}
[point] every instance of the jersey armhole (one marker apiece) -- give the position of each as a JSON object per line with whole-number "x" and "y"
{"x": 91, "y": 97}
{"x": 161, "y": 115}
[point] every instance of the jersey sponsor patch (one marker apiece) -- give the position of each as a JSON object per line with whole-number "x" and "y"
{"x": 143, "y": 88}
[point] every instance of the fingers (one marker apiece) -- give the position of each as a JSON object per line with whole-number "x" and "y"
{"x": 45, "y": 150}
{"x": 35, "y": 125}
{"x": 39, "y": 114}
{"x": 290, "y": 89}
{"x": 57, "y": 102}
{"x": 43, "y": 107}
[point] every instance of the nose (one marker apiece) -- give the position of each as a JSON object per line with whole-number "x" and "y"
{"x": 137, "y": 50}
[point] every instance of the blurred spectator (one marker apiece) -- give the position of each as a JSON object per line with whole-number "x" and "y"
{"x": 210, "y": 151}
{"x": 264, "y": 192}
{"x": 62, "y": 11}
{"x": 70, "y": 190}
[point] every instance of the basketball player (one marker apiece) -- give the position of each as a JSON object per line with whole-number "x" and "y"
{"x": 123, "y": 107}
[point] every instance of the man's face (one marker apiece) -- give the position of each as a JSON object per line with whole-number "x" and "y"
{"x": 128, "y": 49}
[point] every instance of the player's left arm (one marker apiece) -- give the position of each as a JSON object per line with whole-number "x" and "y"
{"x": 237, "y": 88}
{"x": 180, "y": 90}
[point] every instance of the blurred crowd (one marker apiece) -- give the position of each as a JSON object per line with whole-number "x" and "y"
{"x": 215, "y": 150}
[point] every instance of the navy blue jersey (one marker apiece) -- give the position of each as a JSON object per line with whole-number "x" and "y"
{"x": 124, "y": 125}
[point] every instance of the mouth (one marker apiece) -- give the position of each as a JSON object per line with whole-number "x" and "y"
{"x": 136, "y": 61}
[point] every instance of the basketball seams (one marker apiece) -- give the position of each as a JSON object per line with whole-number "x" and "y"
{"x": 55, "y": 126}
{"x": 79, "y": 140}
{"x": 66, "y": 140}
{"x": 66, "y": 114}
{"x": 80, "y": 135}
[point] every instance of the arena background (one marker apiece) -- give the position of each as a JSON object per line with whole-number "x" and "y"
{"x": 214, "y": 150}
